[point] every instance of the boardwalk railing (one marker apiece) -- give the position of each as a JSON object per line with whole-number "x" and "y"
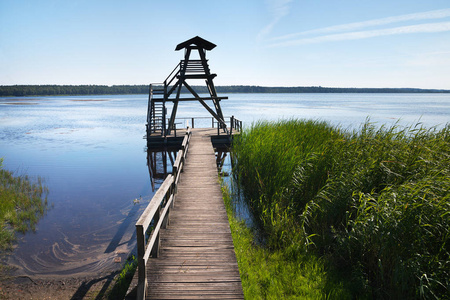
{"x": 233, "y": 124}
{"x": 156, "y": 216}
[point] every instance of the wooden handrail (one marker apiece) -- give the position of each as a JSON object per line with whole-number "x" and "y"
{"x": 235, "y": 124}
{"x": 169, "y": 80}
{"x": 157, "y": 211}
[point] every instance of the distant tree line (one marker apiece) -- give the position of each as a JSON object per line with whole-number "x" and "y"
{"x": 319, "y": 89}
{"x": 50, "y": 90}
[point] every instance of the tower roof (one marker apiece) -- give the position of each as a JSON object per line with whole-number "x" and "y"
{"x": 198, "y": 41}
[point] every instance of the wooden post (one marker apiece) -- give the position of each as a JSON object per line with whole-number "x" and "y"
{"x": 165, "y": 221}
{"x": 142, "y": 272}
{"x": 155, "y": 250}
{"x": 193, "y": 123}
{"x": 164, "y": 159}
{"x": 175, "y": 170}
{"x": 164, "y": 111}
{"x": 176, "y": 166}
{"x": 231, "y": 125}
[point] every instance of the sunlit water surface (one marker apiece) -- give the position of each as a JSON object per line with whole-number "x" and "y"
{"x": 91, "y": 152}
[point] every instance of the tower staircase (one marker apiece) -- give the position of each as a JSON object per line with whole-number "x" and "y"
{"x": 156, "y": 109}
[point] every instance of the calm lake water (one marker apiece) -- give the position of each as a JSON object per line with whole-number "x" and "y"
{"x": 91, "y": 152}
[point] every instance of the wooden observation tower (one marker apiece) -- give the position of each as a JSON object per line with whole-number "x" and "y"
{"x": 171, "y": 89}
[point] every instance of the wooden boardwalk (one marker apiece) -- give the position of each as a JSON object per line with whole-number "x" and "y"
{"x": 196, "y": 258}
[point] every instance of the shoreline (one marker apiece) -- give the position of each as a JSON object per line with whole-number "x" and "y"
{"x": 64, "y": 287}
{"x": 98, "y": 90}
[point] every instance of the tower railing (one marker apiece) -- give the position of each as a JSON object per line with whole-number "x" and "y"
{"x": 192, "y": 66}
{"x": 173, "y": 75}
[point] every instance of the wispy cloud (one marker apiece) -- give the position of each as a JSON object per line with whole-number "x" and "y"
{"x": 350, "y": 31}
{"x": 278, "y": 9}
{"x": 356, "y": 35}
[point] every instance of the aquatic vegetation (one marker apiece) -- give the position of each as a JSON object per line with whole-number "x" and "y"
{"x": 22, "y": 203}
{"x": 373, "y": 202}
{"x": 278, "y": 274}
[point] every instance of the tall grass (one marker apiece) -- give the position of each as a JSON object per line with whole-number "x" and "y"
{"x": 373, "y": 202}
{"x": 278, "y": 274}
{"x": 266, "y": 157}
{"x": 22, "y": 203}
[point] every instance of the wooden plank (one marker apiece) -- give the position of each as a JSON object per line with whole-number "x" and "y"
{"x": 196, "y": 259}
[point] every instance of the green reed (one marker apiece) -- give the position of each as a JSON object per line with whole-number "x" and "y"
{"x": 267, "y": 156}
{"x": 374, "y": 202}
{"x": 277, "y": 274}
{"x": 22, "y": 203}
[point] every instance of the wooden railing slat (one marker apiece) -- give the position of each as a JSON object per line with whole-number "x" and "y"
{"x": 150, "y": 210}
{"x": 153, "y": 239}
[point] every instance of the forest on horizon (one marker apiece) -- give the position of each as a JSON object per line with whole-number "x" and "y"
{"x": 57, "y": 90}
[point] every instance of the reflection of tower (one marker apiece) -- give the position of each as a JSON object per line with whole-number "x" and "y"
{"x": 161, "y": 159}
{"x": 220, "y": 159}
{"x": 188, "y": 69}
{"x": 158, "y": 166}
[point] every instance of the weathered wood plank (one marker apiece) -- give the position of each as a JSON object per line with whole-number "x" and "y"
{"x": 196, "y": 259}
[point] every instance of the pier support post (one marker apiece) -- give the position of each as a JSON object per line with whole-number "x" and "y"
{"x": 142, "y": 281}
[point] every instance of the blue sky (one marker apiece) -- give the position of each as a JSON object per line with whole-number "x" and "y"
{"x": 335, "y": 43}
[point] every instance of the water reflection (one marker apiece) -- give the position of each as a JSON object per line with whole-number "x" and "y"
{"x": 160, "y": 161}
{"x": 239, "y": 205}
{"x": 220, "y": 160}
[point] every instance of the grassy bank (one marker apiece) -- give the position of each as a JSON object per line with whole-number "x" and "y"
{"x": 372, "y": 204}
{"x": 279, "y": 274}
{"x": 22, "y": 203}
